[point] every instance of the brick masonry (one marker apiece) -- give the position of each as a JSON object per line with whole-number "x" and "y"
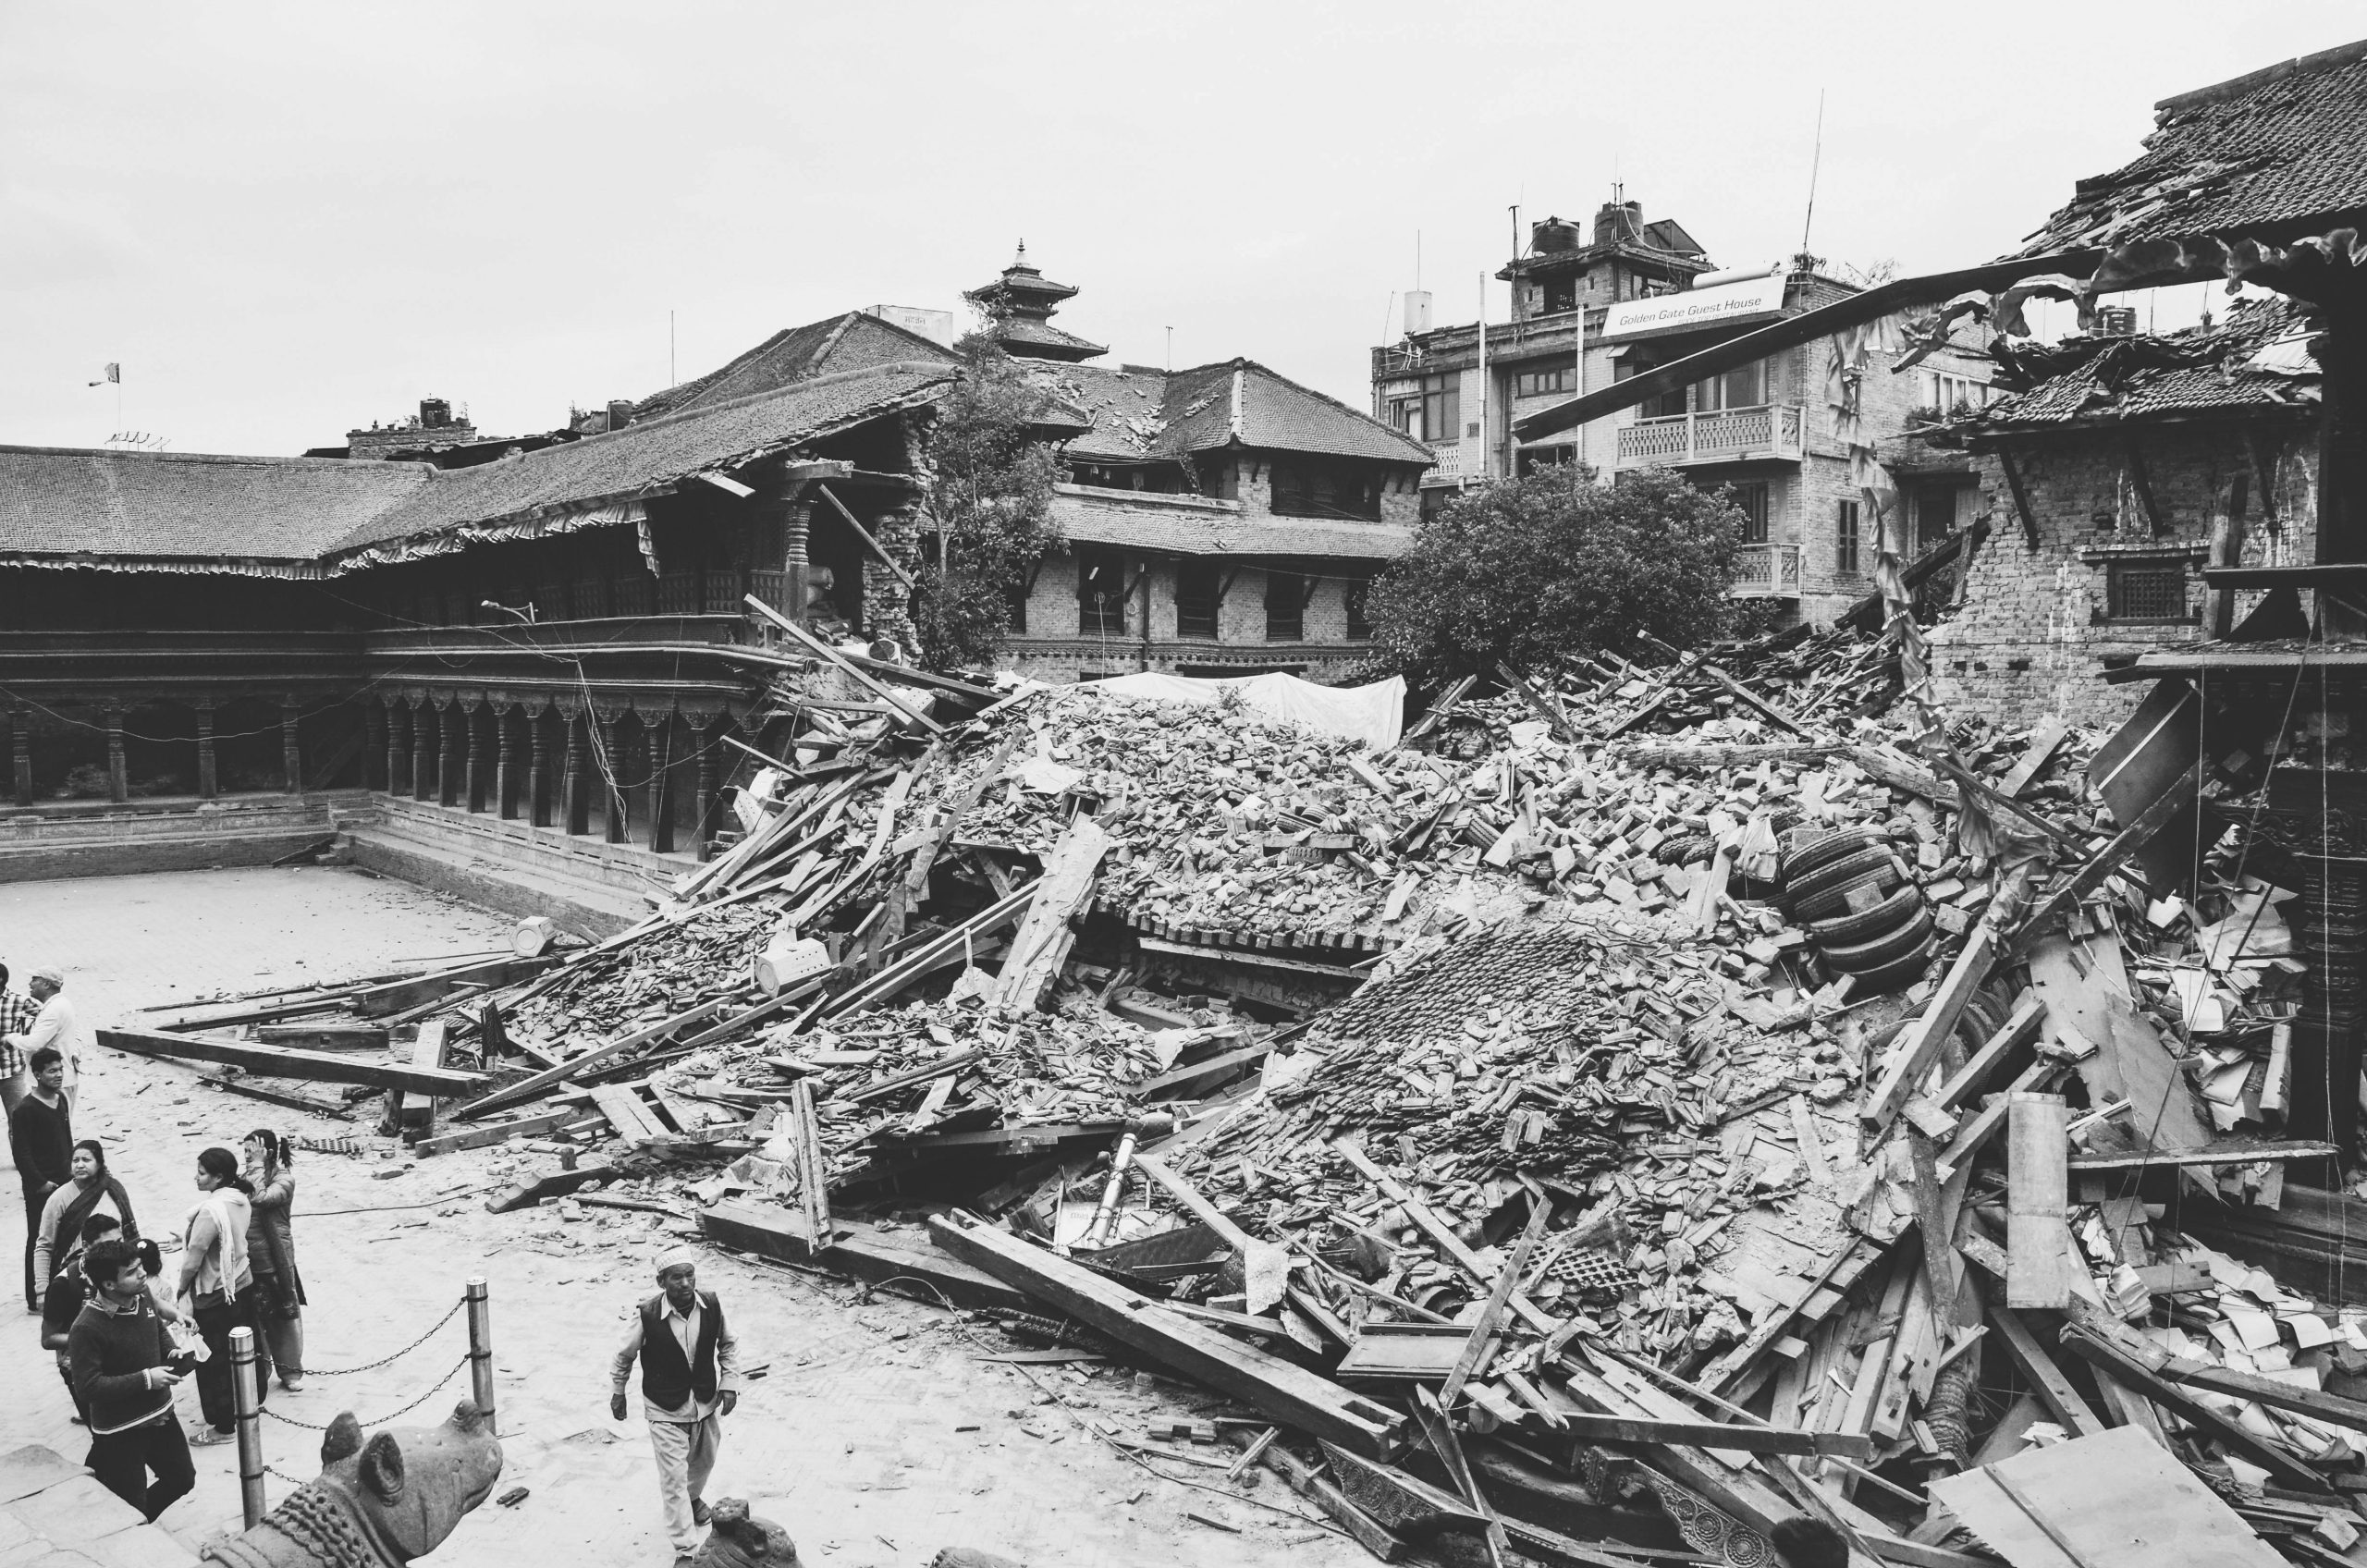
{"x": 2033, "y": 636}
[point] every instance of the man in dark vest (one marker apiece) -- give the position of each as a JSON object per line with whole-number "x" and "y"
{"x": 689, "y": 1380}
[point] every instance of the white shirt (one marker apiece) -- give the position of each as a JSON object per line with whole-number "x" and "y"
{"x": 56, "y": 1024}
{"x": 686, "y": 1326}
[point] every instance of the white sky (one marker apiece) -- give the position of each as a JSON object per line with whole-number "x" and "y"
{"x": 287, "y": 219}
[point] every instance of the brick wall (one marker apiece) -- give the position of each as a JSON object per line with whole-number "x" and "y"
{"x": 2027, "y": 640}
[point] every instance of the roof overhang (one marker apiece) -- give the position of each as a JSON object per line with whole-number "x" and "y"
{"x": 1807, "y": 326}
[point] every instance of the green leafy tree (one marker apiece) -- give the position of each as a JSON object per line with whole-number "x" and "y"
{"x": 988, "y": 494}
{"x": 1552, "y": 562}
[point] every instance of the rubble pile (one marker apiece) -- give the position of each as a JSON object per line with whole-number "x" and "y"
{"x": 1649, "y": 1102}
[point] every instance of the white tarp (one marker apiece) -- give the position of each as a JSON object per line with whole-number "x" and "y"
{"x": 1373, "y": 714}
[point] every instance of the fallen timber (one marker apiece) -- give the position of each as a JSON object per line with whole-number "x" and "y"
{"x": 281, "y": 1062}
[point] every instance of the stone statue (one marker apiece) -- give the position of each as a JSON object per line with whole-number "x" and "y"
{"x": 739, "y": 1539}
{"x": 377, "y": 1504}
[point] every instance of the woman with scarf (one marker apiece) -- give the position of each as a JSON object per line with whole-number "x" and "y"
{"x": 88, "y": 1190}
{"x": 270, "y": 1249}
{"x": 219, "y": 1283}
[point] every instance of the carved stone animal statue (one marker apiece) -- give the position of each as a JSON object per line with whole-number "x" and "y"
{"x": 377, "y": 1504}
{"x": 739, "y": 1539}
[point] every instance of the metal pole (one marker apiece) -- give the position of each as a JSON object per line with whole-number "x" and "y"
{"x": 247, "y": 1401}
{"x": 481, "y": 1350}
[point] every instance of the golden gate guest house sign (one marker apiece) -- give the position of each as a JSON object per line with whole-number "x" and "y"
{"x": 1693, "y": 309}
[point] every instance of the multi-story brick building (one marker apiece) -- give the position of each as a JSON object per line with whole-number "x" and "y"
{"x": 2124, "y": 467}
{"x": 1637, "y": 295}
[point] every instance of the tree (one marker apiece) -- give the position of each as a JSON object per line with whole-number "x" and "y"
{"x": 1552, "y": 562}
{"x": 988, "y": 494}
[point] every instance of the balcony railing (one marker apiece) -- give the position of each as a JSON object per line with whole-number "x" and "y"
{"x": 1720, "y": 436}
{"x": 1767, "y": 571}
{"x": 1448, "y": 465}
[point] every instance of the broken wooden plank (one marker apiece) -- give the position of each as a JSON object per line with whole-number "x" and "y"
{"x": 2236, "y": 1152}
{"x": 557, "y": 1185}
{"x": 1702, "y": 1433}
{"x": 401, "y": 995}
{"x": 859, "y": 1251}
{"x": 2017, "y": 1031}
{"x": 495, "y": 1132}
{"x": 323, "y": 1036}
{"x": 1266, "y": 1266}
{"x": 1441, "y": 1235}
{"x": 1480, "y": 1344}
{"x": 1277, "y": 1389}
{"x": 1045, "y": 935}
{"x": 2110, "y": 1500}
{"x": 860, "y": 677}
{"x": 627, "y": 1116}
{"x": 2038, "y": 1369}
{"x": 1440, "y": 1432}
{"x": 1310, "y": 1483}
{"x": 1254, "y": 959}
{"x": 2091, "y": 875}
{"x": 1919, "y": 1048}
{"x": 2037, "y": 1197}
{"x": 280, "y": 1062}
{"x": 2046, "y": 738}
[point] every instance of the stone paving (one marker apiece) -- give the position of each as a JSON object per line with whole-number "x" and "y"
{"x": 874, "y": 1433}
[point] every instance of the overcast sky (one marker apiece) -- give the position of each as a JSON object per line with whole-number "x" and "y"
{"x": 285, "y": 220}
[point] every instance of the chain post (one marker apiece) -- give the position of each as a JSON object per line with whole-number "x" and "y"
{"x": 481, "y": 1350}
{"x": 247, "y": 1402}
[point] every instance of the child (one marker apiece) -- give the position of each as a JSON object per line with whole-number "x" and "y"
{"x": 152, "y": 1264}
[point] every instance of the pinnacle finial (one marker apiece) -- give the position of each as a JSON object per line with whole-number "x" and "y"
{"x": 1021, "y": 260}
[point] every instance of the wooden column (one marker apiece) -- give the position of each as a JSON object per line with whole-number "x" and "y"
{"x": 291, "y": 748}
{"x": 448, "y": 723}
{"x": 21, "y": 743}
{"x": 505, "y": 757}
{"x": 423, "y": 754}
{"x": 398, "y": 749}
{"x": 661, "y": 752}
{"x": 473, "y": 795}
{"x": 782, "y": 500}
{"x": 612, "y": 787}
{"x": 208, "y": 782}
{"x": 576, "y": 814}
{"x": 374, "y": 742}
{"x": 119, "y": 782}
{"x": 538, "y": 811}
{"x": 707, "y": 734}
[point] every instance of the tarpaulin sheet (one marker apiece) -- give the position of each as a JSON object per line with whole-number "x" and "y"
{"x": 1373, "y": 714}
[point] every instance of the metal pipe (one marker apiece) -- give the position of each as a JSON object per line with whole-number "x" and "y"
{"x": 481, "y": 1350}
{"x": 247, "y": 1402}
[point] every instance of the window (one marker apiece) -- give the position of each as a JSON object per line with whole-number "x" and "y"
{"x": 1945, "y": 394}
{"x": 1845, "y": 537}
{"x": 1537, "y": 383}
{"x": 1196, "y": 589}
{"x": 1101, "y": 594}
{"x": 1303, "y": 487}
{"x": 2146, "y": 588}
{"x": 1015, "y": 602}
{"x": 1433, "y": 413}
{"x": 1560, "y": 294}
{"x": 1359, "y": 622}
{"x": 1752, "y": 499}
{"x": 1743, "y": 388}
{"x": 1286, "y": 596}
{"x": 1939, "y": 509}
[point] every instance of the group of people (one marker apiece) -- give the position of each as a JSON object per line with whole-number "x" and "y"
{"x": 125, "y": 1332}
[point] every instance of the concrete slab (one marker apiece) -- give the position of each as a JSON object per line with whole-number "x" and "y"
{"x": 149, "y": 1546}
{"x": 33, "y": 1468}
{"x": 77, "y": 1510}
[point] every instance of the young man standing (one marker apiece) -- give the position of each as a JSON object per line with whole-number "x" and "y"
{"x": 41, "y": 1137}
{"x": 123, "y": 1376}
{"x": 55, "y": 1027}
{"x": 689, "y": 1380}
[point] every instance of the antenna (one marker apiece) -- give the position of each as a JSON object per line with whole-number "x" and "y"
{"x": 1516, "y": 212}
{"x": 1816, "y": 159}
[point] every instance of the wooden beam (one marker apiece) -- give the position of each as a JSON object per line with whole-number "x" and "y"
{"x": 1701, "y": 1434}
{"x": 2264, "y": 475}
{"x": 1919, "y": 1048}
{"x": 280, "y": 1062}
{"x": 2021, "y": 496}
{"x": 403, "y": 995}
{"x": 488, "y": 1136}
{"x": 2044, "y": 741}
{"x": 2107, "y": 1352}
{"x": 1254, "y": 959}
{"x": 2038, "y": 1369}
{"x": 1441, "y": 1235}
{"x": 2143, "y": 481}
{"x": 2019, "y": 1030}
{"x": 528, "y": 1088}
{"x": 2038, "y": 1196}
{"x": 2105, "y": 861}
{"x": 1481, "y": 1343}
{"x": 868, "y": 541}
{"x": 839, "y": 661}
{"x": 2209, "y": 1154}
{"x": 1280, "y": 1391}
{"x": 858, "y": 1251}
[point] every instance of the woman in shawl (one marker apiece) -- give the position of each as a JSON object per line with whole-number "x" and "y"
{"x": 270, "y": 1249}
{"x": 219, "y": 1283}
{"x": 88, "y": 1190}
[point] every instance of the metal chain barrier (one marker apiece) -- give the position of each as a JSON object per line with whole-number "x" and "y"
{"x": 374, "y": 1420}
{"x": 371, "y": 1367}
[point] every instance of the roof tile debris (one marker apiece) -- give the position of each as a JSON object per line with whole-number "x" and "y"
{"x": 2255, "y": 358}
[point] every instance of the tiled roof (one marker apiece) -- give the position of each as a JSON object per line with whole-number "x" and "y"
{"x": 648, "y": 456}
{"x": 1141, "y": 414}
{"x": 1197, "y": 528}
{"x": 2274, "y": 155}
{"x": 178, "y": 505}
{"x": 2251, "y": 360}
{"x": 1024, "y": 338}
{"x": 853, "y": 342}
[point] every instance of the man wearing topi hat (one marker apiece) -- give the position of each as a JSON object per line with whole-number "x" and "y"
{"x": 689, "y": 1380}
